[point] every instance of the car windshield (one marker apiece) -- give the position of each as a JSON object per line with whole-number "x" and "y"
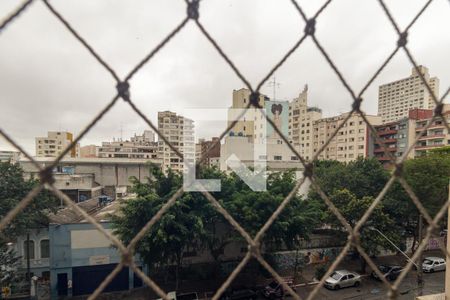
{"x": 273, "y": 284}
{"x": 427, "y": 262}
{"x": 336, "y": 276}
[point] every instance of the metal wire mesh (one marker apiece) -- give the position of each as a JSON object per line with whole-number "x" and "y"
{"x": 192, "y": 15}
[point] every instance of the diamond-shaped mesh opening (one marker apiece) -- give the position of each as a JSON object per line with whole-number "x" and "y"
{"x": 354, "y": 232}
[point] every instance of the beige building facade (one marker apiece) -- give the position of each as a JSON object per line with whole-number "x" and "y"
{"x": 249, "y": 124}
{"x": 353, "y": 140}
{"x": 89, "y": 151}
{"x": 180, "y": 132}
{"x": 54, "y": 143}
{"x": 396, "y": 98}
{"x": 301, "y": 124}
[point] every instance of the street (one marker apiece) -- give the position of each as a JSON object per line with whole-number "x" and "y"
{"x": 371, "y": 289}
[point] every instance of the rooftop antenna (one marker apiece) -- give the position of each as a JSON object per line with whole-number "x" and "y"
{"x": 275, "y": 85}
{"x": 121, "y": 132}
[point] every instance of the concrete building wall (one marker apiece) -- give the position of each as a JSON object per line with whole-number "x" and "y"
{"x": 179, "y": 131}
{"x": 396, "y": 98}
{"x": 436, "y": 135}
{"x": 301, "y": 124}
{"x": 246, "y": 125}
{"x": 278, "y": 156}
{"x": 9, "y": 156}
{"x": 55, "y": 143}
{"x": 106, "y": 172}
{"x": 353, "y": 140}
{"x": 89, "y": 151}
{"x": 39, "y": 261}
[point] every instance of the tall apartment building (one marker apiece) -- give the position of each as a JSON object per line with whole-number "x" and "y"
{"x": 436, "y": 135}
{"x": 396, "y": 98}
{"x": 301, "y": 123}
{"x": 138, "y": 147}
{"x": 353, "y": 140}
{"x": 180, "y": 132}
{"x": 54, "y": 143}
{"x": 246, "y": 126}
{"x": 398, "y": 136}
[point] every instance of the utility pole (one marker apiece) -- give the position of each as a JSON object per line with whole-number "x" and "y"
{"x": 419, "y": 268}
{"x": 28, "y": 257}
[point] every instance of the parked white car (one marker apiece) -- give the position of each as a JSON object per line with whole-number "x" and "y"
{"x": 432, "y": 264}
{"x": 342, "y": 278}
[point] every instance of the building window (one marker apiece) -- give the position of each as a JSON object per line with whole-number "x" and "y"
{"x": 45, "y": 249}
{"x": 277, "y": 157}
{"x": 30, "y": 249}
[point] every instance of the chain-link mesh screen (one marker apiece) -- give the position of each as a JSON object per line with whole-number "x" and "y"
{"x": 192, "y": 15}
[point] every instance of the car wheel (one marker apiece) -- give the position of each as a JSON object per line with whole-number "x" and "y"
{"x": 431, "y": 270}
{"x": 337, "y": 287}
{"x": 357, "y": 284}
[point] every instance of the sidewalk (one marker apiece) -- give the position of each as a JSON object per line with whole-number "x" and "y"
{"x": 308, "y": 273}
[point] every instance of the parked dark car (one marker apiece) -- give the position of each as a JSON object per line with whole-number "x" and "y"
{"x": 274, "y": 290}
{"x": 240, "y": 294}
{"x": 389, "y": 272}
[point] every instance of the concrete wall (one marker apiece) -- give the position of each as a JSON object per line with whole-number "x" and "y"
{"x": 107, "y": 172}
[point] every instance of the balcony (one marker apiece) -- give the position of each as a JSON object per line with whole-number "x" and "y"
{"x": 428, "y": 146}
{"x": 431, "y": 137}
{"x": 386, "y": 132}
{"x": 381, "y": 149}
{"x": 434, "y": 126}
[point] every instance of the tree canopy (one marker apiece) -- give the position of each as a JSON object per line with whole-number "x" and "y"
{"x": 193, "y": 224}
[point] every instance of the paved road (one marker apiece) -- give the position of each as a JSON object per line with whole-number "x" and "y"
{"x": 374, "y": 290}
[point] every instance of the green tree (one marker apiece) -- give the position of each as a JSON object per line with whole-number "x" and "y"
{"x": 352, "y": 187}
{"x": 352, "y": 209}
{"x": 192, "y": 223}
{"x": 13, "y": 188}
{"x": 253, "y": 209}
{"x": 428, "y": 177}
{"x": 363, "y": 177}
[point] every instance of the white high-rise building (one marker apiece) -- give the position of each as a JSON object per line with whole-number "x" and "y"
{"x": 179, "y": 131}
{"x": 396, "y": 98}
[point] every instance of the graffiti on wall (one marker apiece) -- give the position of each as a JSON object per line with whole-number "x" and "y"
{"x": 287, "y": 260}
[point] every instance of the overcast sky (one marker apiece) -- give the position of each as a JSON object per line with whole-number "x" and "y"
{"x": 49, "y": 81}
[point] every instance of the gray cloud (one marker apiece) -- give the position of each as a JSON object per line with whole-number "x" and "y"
{"x": 48, "y": 81}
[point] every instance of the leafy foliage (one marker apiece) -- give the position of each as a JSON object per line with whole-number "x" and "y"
{"x": 13, "y": 188}
{"x": 193, "y": 224}
{"x": 352, "y": 188}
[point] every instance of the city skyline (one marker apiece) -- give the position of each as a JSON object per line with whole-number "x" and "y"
{"x": 72, "y": 95}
